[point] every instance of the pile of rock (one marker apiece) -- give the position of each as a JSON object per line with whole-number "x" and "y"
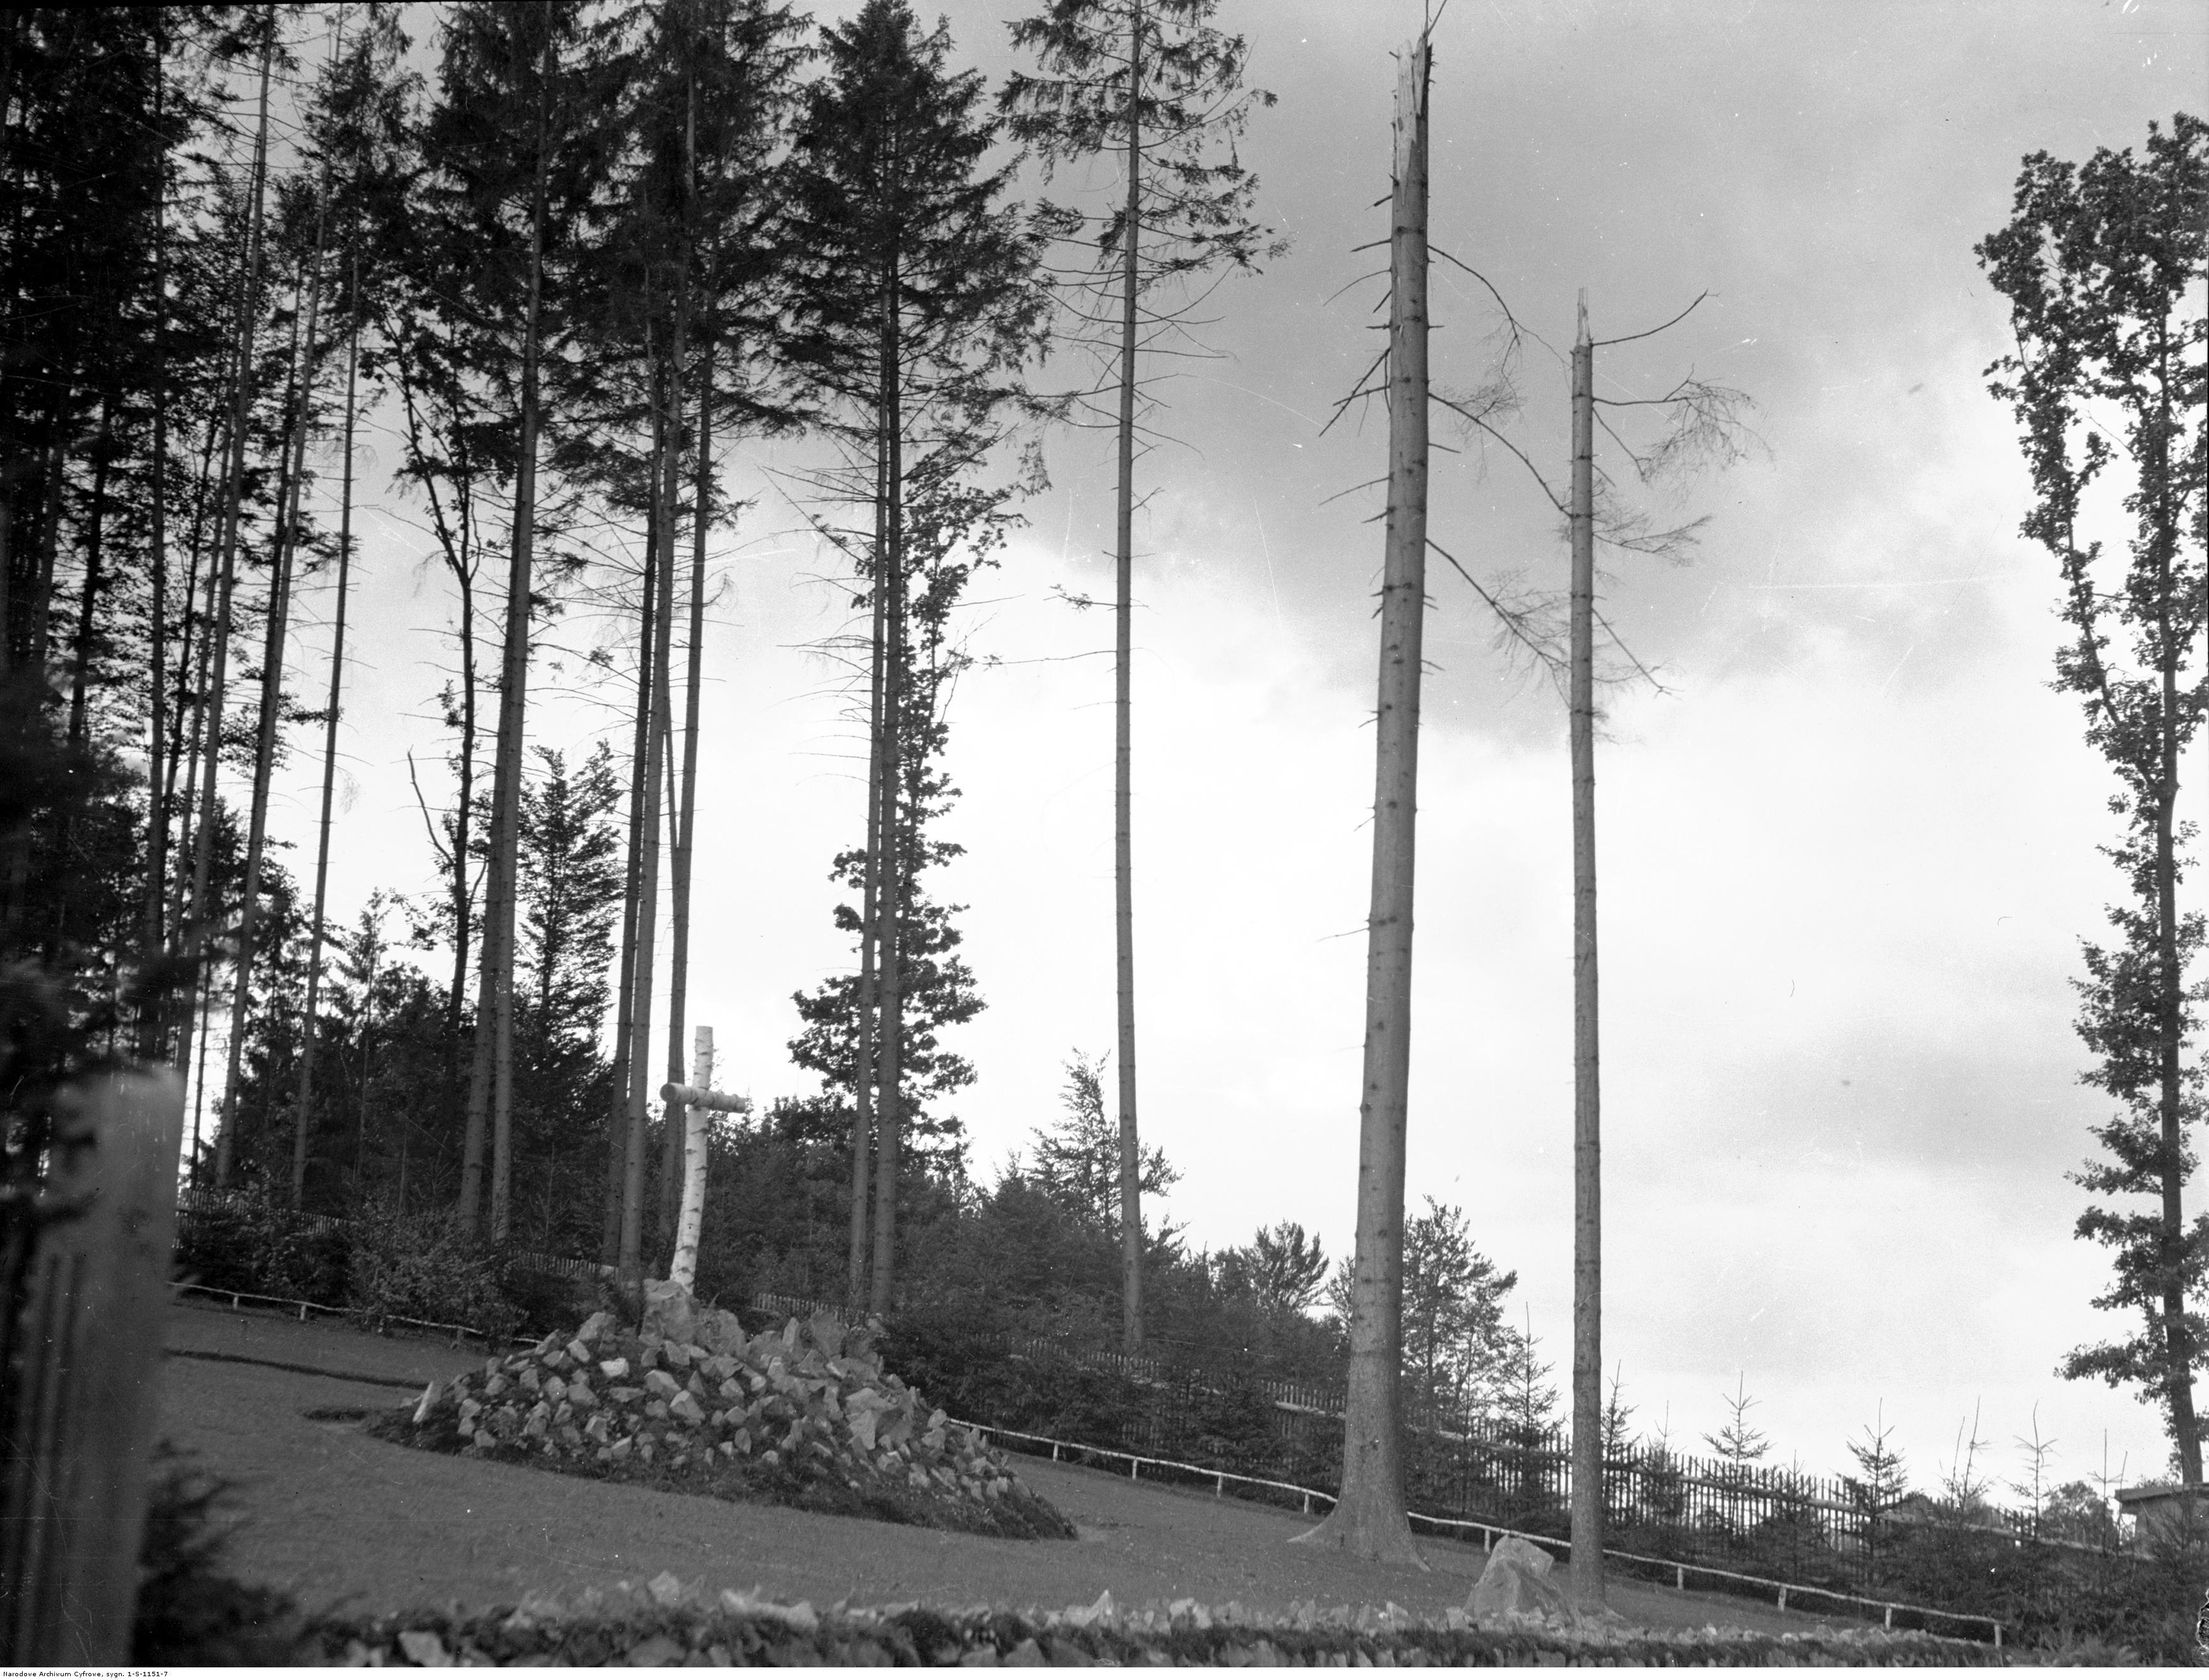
{"x": 803, "y": 1415}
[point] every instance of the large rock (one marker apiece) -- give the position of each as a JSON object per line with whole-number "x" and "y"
{"x": 719, "y": 1331}
{"x": 1517, "y": 1583}
{"x": 670, "y": 1313}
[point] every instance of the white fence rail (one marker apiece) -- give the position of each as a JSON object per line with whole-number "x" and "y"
{"x": 1490, "y": 1531}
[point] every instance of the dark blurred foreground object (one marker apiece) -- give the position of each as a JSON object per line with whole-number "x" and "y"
{"x": 86, "y": 1248}
{"x": 189, "y": 1614}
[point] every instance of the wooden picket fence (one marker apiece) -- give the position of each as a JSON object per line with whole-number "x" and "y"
{"x": 80, "y": 1365}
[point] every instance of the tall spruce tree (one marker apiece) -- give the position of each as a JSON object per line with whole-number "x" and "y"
{"x": 1153, "y": 85}
{"x": 220, "y": 627}
{"x": 517, "y": 141}
{"x": 711, "y": 122}
{"x": 569, "y": 893}
{"x": 309, "y": 209}
{"x": 683, "y": 291}
{"x": 357, "y": 123}
{"x": 423, "y": 354}
{"x": 919, "y": 303}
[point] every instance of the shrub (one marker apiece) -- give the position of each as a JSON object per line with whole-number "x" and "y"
{"x": 251, "y": 1243}
{"x": 420, "y": 1266}
{"x": 953, "y": 1353}
{"x": 546, "y": 1301}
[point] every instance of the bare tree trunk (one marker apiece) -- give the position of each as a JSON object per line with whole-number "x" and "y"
{"x": 188, "y": 725}
{"x": 2170, "y": 979}
{"x": 205, "y": 1009}
{"x": 303, "y": 1109}
{"x": 191, "y": 696}
{"x": 668, "y": 424}
{"x": 150, "y": 1023}
{"x": 1368, "y": 1521}
{"x": 668, "y": 1181}
{"x": 214, "y": 695}
{"x": 663, "y": 725}
{"x": 890, "y": 870}
{"x": 675, "y": 1157}
{"x": 495, "y": 988}
{"x": 1123, "y": 857}
{"x": 457, "y": 546}
{"x": 271, "y": 692}
{"x": 671, "y": 1187}
{"x": 625, "y": 1005}
{"x": 1588, "y": 1583}
{"x": 863, "y": 1070}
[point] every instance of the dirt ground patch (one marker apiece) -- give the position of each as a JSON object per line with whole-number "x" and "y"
{"x": 342, "y": 1520}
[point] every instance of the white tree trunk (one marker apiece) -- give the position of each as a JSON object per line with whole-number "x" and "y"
{"x": 698, "y": 1100}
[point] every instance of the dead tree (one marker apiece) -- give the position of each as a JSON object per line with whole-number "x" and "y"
{"x": 1367, "y": 1520}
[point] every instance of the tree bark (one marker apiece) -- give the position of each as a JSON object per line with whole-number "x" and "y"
{"x": 303, "y": 1108}
{"x": 696, "y": 1102}
{"x": 494, "y": 1084}
{"x": 677, "y": 1155}
{"x": 1123, "y": 863}
{"x": 191, "y": 694}
{"x": 632, "y": 1238}
{"x": 890, "y": 891}
{"x": 1368, "y": 1521}
{"x": 669, "y": 1180}
{"x": 2170, "y": 979}
{"x": 215, "y": 695}
{"x": 625, "y": 1005}
{"x": 863, "y": 1071}
{"x": 272, "y": 693}
{"x": 150, "y": 1023}
{"x": 1587, "y": 1582}
{"x": 866, "y": 1044}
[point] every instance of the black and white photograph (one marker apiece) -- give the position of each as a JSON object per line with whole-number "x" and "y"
{"x": 1138, "y": 832}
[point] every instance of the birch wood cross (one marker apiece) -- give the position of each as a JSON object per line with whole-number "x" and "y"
{"x": 698, "y": 1101}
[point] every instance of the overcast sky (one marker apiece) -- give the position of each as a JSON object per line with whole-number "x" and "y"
{"x": 1846, "y": 855}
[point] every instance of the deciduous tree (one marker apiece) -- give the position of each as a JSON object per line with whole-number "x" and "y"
{"x": 2104, "y": 266}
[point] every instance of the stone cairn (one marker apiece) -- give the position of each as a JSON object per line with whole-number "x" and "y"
{"x": 690, "y": 1392}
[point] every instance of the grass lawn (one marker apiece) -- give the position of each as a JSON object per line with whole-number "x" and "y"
{"x": 341, "y": 1521}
